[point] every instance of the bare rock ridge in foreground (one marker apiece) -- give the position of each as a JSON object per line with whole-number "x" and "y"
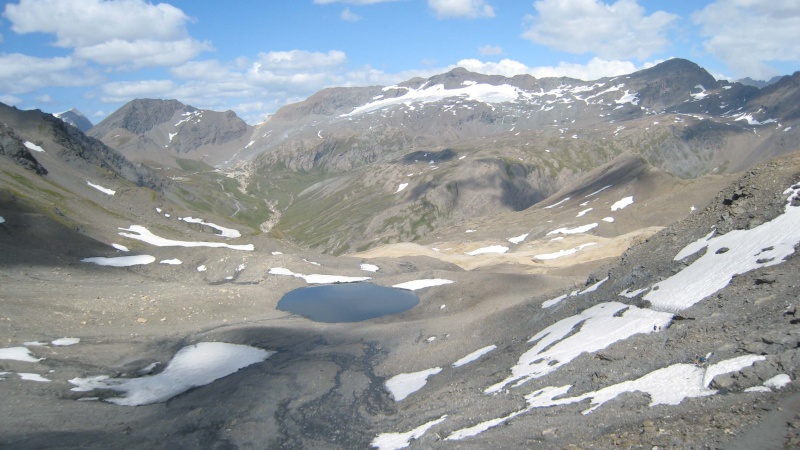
{"x": 609, "y": 290}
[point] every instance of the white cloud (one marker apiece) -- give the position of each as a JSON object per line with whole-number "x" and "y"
{"x": 124, "y": 91}
{"x": 127, "y": 33}
{"x": 10, "y": 99}
{"x": 20, "y": 74}
{"x": 349, "y": 16}
{"x": 82, "y": 23}
{"x": 611, "y": 31}
{"x": 594, "y": 69}
{"x": 299, "y": 60}
{"x": 142, "y": 52}
{"x": 470, "y": 9}
{"x": 749, "y": 34}
{"x": 490, "y": 50}
{"x": 46, "y": 98}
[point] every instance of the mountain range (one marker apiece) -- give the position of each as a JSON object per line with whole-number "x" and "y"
{"x": 598, "y": 263}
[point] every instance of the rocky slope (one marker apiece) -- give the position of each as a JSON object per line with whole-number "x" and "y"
{"x": 76, "y": 119}
{"x": 163, "y": 131}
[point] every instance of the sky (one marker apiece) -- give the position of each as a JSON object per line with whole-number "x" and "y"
{"x": 254, "y": 56}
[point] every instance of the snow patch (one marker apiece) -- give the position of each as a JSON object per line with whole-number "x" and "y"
{"x": 369, "y": 267}
{"x": 518, "y": 239}
{"x": 63, "y": 342}
{"x": 562, "y": 253}
{"x": 621, "y": 204}
{"x": 395, "y": 441}
{"x": 315, "y": 278}
{"x": 18, "y": 354}
{"x": 401, "y": 187}
{"x": 143, "y": 234}
{"x": 490, "y": 249}
{"x": 194, "y": 365}
{"x": 402, "y": 385}
{"x": 474, "y": 355}
{"x": 121, "y": 261}
{"x": 580, "y": 229}
{"x": 31, "y": 146}
{"x": 101, "y": 188}
{"x": 421, "y": 284}
{"x": 224, "y": 232}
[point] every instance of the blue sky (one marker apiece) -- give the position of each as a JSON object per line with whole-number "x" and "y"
{"x": 255, "y": 56}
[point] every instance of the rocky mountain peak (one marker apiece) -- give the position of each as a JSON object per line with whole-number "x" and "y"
{"x": 75, "y": 118}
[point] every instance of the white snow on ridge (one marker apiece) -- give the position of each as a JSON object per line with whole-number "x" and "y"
{"x": 194, "y": 365}
{"x": 121, "y": 261}
{"x": 628, "y": 97}
{"x": 422, "y": 284}
{"x": 667, "y": 386}
{"x": 396, "y": 441}
{"x": 600, "y": 326}
{"x": 224, "y": 232}
{"x": 490, "y": 249}
{"x": 765, "y": 245}
{"x": 484, "y": 93}
{"x": 316, "y": 278}
{"x": 31, "y": 146}
{"x": 402, "y": 385}
{"x": 143, "y": 234}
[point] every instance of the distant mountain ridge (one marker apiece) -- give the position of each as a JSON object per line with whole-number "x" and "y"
{"x": 153, "y": 130}
{"x": 354, "y": 167}
{"x": 76, "y": 119}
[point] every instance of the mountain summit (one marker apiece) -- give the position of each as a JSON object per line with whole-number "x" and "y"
{"x": 76, "y": 119}
{"x": 162, "y": 130}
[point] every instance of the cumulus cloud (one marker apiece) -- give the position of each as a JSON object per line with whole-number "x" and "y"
{"x": 110, "y": 32}
{"x": 612, "y": 31}
{"x": 124, "y": 91}
{"x": 594, "y": 69}
{"x": 490, "y": 50}
{"x": 21, "y": 74}
{"x": 749, "y": 34}
{"x": 470, "y": 9}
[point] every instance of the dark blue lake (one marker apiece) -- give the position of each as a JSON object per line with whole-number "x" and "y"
{"x": 347, "y": 302}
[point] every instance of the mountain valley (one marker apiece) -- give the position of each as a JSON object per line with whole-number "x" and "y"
{"x": 599, "y": 264}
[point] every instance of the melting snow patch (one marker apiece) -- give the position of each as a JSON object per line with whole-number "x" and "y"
{"x": 593, "y": 287}
{"x": 582, "y": 213}
{"x": 632, "y": 294}
{"x": 421, "y": 284}
{"x": 121, "y": 261}
{"x": 369, "y": 267}
{"x": 33, "y": 377}
{"x": 474, "y": 356}
{"x": 224, "y": 232}
{"x": 621, "y": 204}
{"x": 401, "y": 187}
{"x": 608, "y": 219}
{"x": 598, "y": 327}
{"x": 121, "y": 248}
{"x": 63, "y": 342}
{"x": 554, "y": 301}
{"x": 580, "y": 229}
{"x": 490, "y": 249}
{"x": 143, "y": 234}
{"x": 315, "y": 278}
{"x": 194, "y": 365}
{"x": 405, "y": 384}
{"x": 34, "y": 147}
{"x": 395, "y": 441}
{"x": 2, "y": 219}
{"x": 765, "y": 245}
{"x": 778, "y": 382}
{"x": 202, "y": 268}
{"x": 18, "y": 354}
{"x": 101, "y": 188}
{"x": 562, "y": 253}
{"x": 173, "y": 261}
{"x": 518, "y": 239}
{"x": 628, "y": 97}
{"x": 556, "y": 204}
